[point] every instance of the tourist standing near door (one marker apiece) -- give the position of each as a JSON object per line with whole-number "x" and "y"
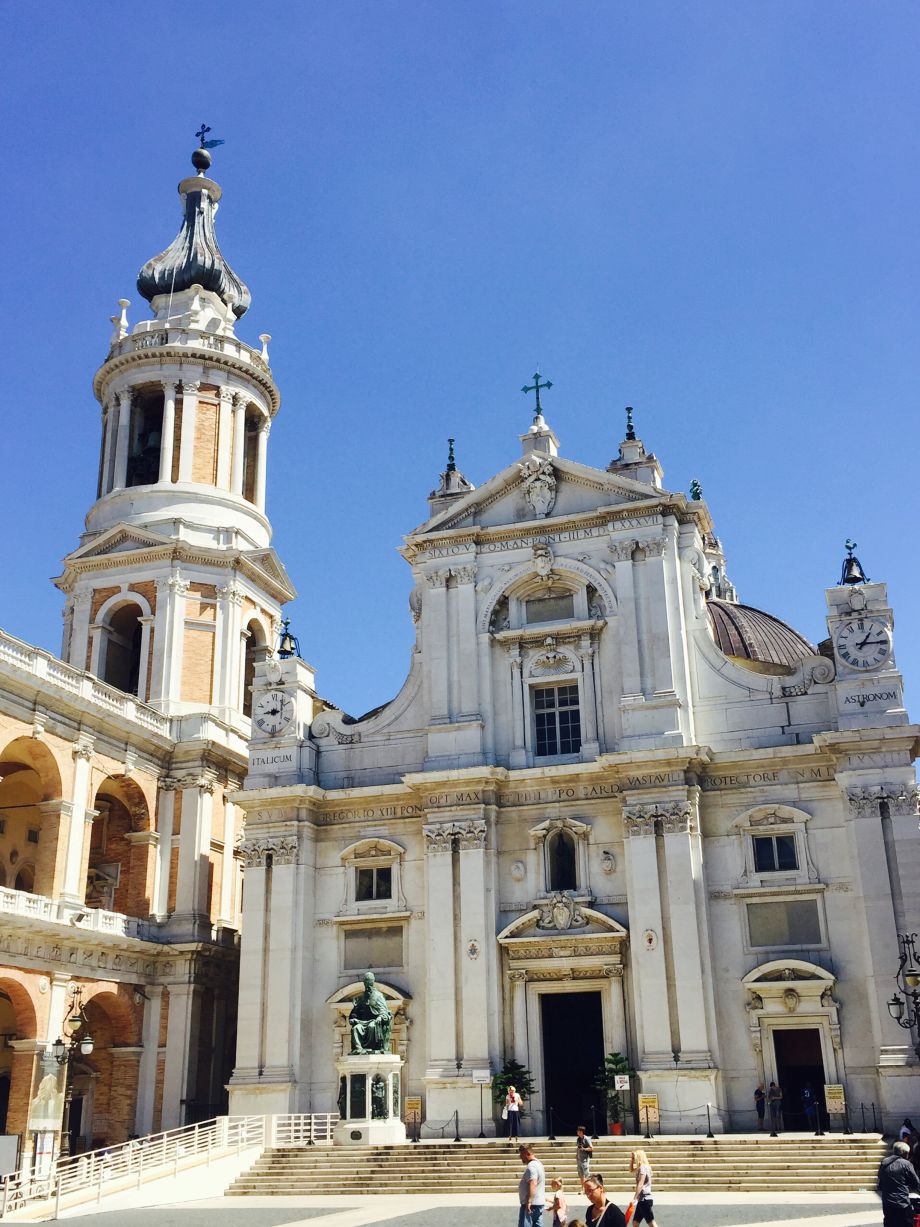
{"x": 775, "y": 1098}
{"x": 512, "y": 1113}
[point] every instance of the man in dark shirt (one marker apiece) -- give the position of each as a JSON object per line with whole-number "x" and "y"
{"x": 896, "y": 1181}
{"x": 601, "y": 1212}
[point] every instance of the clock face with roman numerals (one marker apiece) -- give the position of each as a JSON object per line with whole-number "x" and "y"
{"x": 273, "y": 711}
{"x": 863, "y": 643}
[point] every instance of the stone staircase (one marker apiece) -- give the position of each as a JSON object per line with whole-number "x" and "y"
{"x": 729, "y": 1163}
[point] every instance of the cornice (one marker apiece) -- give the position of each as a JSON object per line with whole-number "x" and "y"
{"x": 159, "y": 356}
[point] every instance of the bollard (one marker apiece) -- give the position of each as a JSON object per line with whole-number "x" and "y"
{"x": 457, "y": 1137}
{"x": 874, "y": 1123}
{"x": 593, "y": 1124}
{"x": 551, "y": 1136}
{"x": 863, "y": 1110}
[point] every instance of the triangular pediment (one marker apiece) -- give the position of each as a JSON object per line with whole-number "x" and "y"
{"x": 268, "y": 562}
{"x": 119, "y": 539}
{"x": 537, "y": 489}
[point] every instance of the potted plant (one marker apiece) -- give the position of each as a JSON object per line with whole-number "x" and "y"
{"x": 615, "y": 1065}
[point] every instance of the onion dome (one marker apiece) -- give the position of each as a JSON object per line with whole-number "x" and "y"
{"x": 193, "y": 257}
{"x": 755, "y": 639}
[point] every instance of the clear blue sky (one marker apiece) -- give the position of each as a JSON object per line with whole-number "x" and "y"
{"x": 709, "y": 211}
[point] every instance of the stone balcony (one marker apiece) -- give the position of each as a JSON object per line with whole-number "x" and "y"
{"x": 41, "y": 913}
{"x": 149, "y": 335}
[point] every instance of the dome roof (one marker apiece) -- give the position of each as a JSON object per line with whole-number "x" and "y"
{"x": 756, "y": 639}
{"x": 194, "y": 257}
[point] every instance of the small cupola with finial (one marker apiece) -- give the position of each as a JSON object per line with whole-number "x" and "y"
{"x": 540, "y": 437}
{"x": 453, "y": 484}
{"x": 634, "y": 461}
{"x": 191, "y": 278}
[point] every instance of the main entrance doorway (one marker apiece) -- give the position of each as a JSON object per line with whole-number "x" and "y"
{"x": 799, "y": 1063}
{"x": 573, "y": 1051}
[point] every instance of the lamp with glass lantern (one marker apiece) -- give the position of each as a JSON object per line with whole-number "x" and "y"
{"x": 904, "y": 1006}
{"x": 78, "y": 1042}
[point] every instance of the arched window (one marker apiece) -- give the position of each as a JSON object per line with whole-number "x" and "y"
{"x": 144, "y": 441}
{"x": 25, "y": 879}
{"x": 560, "y": 854}
{"x": 255, "y": 651}
{"x": 121, "y": 666}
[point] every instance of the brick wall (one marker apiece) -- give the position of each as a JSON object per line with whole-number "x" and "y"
{"x": 204, "y": 461}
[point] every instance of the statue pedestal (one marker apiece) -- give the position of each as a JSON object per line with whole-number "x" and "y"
{"x": 372, "y": 1098}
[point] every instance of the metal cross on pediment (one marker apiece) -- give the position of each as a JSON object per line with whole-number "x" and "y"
{"x": 202, "y": 133}
{"x": 536, "y": 386}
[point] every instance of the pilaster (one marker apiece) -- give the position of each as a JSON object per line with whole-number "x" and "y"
{"x": 190, "y": 390}
{"x": 441, "y": 958}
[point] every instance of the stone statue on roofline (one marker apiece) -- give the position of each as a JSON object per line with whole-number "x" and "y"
{"x": 370, "y": 1020}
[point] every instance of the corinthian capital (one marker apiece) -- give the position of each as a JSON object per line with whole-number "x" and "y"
{"x": 282, "y": 849}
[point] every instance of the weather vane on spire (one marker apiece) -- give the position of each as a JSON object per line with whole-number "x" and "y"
{"x": 536, "y": 386}
{"x": 201, "y": 134}
{"x": 451, "y": 462}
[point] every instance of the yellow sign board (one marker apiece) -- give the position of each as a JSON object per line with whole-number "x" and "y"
{"x": 834, "y": 1098}
{"x": 648, "y": 1109}
{"x": 413, "y": 1107}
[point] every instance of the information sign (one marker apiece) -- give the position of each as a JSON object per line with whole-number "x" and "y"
{"x": 621, "y": 1082}
{"x": 482, "y": 1076}
{"x": 648, "y": 1109}
{"x": 834, "y": 1098}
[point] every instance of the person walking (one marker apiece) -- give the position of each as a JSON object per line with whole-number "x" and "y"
{"x": 512, "y": 1113}
{"x": 559, "y": 1207}
{"x": 601, "y": 1212}
{"x": 531, "y": 1189}
{"x": 896, "y": 1181}
{"x": 642, "y": 1170}
{"x": 809, "y": 1106}
{"x": 760, "y": 1103}
{"x": 775, "y": 1099}
{"x": 584, "y": 1149}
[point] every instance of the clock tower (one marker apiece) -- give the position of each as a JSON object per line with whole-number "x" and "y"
{"x": 869, "y": 688}
{"x": 284, "y": 703}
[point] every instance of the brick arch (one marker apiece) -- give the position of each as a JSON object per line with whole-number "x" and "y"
{"x": 32, "y": 753}
{"x": 24, "y": 1006}
{"x": 121, "y": 1015}
{"x": 131, "y": 795}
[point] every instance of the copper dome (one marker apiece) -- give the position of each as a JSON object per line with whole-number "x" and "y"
{"x": 756, "y": 639}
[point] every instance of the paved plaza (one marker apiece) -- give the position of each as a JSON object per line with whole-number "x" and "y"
{"x": 483, "y": 1210}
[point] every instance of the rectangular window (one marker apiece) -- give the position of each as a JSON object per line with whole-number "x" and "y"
{"x": 381, "y": 946}
{"x": 557, "y": 720}
{"x": 551, "y": 608}
{"x": 784, "y": 922}
{"x": 773, "y": 853}
{"x": 373, "y": 884}
{"x": 32, "y": 835}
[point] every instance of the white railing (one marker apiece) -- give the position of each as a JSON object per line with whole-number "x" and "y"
{"x": 152, "y": 335}
{"x": 94, "y": 920}
{"x": 301, "y": 1129}
{"x": 116, "y": 1169}
{"x": 49, "y": 670}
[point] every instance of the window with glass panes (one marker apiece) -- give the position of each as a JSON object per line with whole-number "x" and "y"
{"x": 557, "y": 722}
{"x": 774, "y": 852}
{"x": 373, "y": 884}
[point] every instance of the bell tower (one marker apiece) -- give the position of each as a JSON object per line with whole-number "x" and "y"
{"x": 174, "y": 593}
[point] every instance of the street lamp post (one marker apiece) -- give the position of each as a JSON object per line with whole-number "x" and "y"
{"x": 904, "y": 1006}
{"x": 79, "y": 1041}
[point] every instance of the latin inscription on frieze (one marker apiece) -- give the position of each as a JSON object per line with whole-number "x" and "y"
{"x": 748, "y": 779}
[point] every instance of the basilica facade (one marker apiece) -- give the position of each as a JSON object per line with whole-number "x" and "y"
{"x": 612, "y": 809}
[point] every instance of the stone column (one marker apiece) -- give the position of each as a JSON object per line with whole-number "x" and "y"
{"x": 262, "y": 462}
{"x": 630, "y": 665}
{"x": 646, "y": 947}
{"x": 187, "y": 436}
{"x": 253, "y": 963}
{"x": 108, "y": 461}
{"x": 147, "y": 1073}
{"x": 123, "y": 440}
{"x": 518, "y": 715}
{"x": 224, "y": 683}
{"x": 281, "y": 954}
{"x": 587, "y": 652}
{"x": 181, "y": 1051}
{"x": 192, "y": 903}
{"x": 224, "y": 440}
{"x": 680, "y": 826}
{"x": 142, "y": 869}
{"x": 474, "y": 941}
{"x": 440, "y": 942}
{"x": 225, "y": 906}
{"x": 147, "y": 624}
{"x": 79, "y": 634}
{"x": 238, "y": 462}
{"x": 165, "y": 813}
{"x": 467, "y": 700}
{"x": 22, "y": 1082}
{"x": 435, "y": 637}
{"x": 656, "y": 616}
{"x": 519, "y": 1044}
{"x": 79, "y": 820}
{"x": 169, "y": 431}
{"x": 617, "y": 1040}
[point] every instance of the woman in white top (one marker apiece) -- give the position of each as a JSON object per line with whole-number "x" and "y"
{"x": 640, "y": 1165}
{"x": 513, "y": 1103}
